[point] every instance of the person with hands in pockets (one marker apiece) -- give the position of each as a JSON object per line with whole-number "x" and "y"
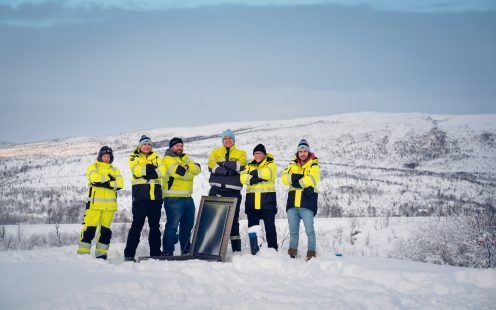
{"x": 178, "y": 204}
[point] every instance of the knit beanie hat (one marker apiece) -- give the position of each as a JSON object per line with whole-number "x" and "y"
{"x": 175, "y": 141}
{"x": 227, "y": 133}
{"x": 260, "y": 148}
{"x": 144, "y": 139}
{"x": 105, "y": 150}
{"x": 303, "y": 145}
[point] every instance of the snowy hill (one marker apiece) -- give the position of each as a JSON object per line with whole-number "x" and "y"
{"x": 372, "y": 164}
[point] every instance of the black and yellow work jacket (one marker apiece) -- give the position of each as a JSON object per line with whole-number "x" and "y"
{"x": 307, "y": 176}
{"x": 104, "y": 180}
{"x": 145, "y": 188}
{"x": 224, "y": 165}
{"x": 261, "y": 195}
{"x": 175, "y": 184}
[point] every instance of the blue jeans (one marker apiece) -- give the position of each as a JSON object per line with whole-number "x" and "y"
{"x": 180, "y": 214}
{"x": 294, "y": 216}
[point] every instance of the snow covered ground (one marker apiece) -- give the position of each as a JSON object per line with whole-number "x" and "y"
{"x": 57, "y": 278}
{"x": 364, "y": 278}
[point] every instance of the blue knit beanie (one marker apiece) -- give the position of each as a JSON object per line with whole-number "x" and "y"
{"x": 227, "y": 133}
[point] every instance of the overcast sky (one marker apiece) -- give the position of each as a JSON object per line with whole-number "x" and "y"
{"x": 85, "y": 68}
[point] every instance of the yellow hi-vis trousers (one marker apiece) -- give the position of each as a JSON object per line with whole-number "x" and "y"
{"x": 92, "y": 220}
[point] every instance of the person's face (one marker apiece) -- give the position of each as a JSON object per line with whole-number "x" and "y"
{"x": 259, "y": 156}
{"x": 228, "y": 141}
{"x": 302, "y": 155}
{"x": 106, "y": 158}
{"x": 178, "y": 149}
{"x": 146, "y": 148}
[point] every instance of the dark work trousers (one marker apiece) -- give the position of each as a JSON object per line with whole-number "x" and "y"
{"x": 269, "y": 218}
{"x": 150, "y": 209}
{"x": 235, "y": 236}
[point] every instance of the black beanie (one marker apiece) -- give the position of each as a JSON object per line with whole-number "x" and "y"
{"x": 175, "y": 141}
{"x": 260, "y": 148}
{"x": 105, "y": 150}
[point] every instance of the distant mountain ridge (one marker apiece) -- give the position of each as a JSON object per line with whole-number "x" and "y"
{"x": 371, "y": 164}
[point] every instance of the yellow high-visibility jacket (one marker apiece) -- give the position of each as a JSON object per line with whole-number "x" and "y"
{"x": 101, "y": 198}
{"x": 175, "y": 185}
{"x": 227, "y": 176}
{"x": 145, "y": 188}
{"x": 307, "y": 195}
{"x": 261, "y": 195}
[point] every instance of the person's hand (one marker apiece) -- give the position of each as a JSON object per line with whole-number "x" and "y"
{"x": 309, "y": 192}
{"x": 221, "y": 171}
{"x": 254, "y": 173}
{"x": 111, "y": 177}
{"x": 151, "y": 173}
{"x": 180, "y": 170}
{"x": 295, "y": 177}
{"x": 232, "y": 172}
{"x": 255, "y": 180}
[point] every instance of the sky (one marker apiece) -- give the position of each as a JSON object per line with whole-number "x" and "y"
{"x": 102, "y": 67}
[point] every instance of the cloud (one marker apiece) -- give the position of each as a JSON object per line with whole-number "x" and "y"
{"x": 152, "y": 5}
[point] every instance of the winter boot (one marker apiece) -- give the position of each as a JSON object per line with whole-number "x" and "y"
{"x": 253, "y": 234}
{"x": 292, "y": 252}
{"x": 129, "y": 259}
{"x": 236, "y": 245}
{"x": 311, "y": 254}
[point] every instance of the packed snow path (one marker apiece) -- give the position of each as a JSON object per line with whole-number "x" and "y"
{"x": 57, "y": 278}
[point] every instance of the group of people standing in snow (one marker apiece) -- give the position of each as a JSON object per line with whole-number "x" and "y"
{"x": 169, "y": 181}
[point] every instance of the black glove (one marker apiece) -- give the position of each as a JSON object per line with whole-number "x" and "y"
{"x": 308, "y": 192}
{"x": 295, "y": 177}
{"x": 150, "y": 172}
{"x": 221, "y": 171}
{"x": 254, "y": 173}
{"x": 296, "y": 184}
{"x": 232, "y": 172}
{"x": 102, "y": 185}
{"x": 221, "y": 164}
{"x": 255, "y": 180}
{"x": 180, "y": 170}
{"x": 231, "y": 165}
{"x": 111, "y": 177}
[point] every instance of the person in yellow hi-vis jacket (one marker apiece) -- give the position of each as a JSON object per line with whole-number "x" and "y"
{"x": 261, "y": 203}
{"x": 302, "y": 177}
{"x": 147, "y": 172}
{"x": 225, "y": 163}
{"x": 178, "y": 204}
{"x": 104, "y": 180}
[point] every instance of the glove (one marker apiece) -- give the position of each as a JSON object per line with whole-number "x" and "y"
{"x": 296, "y": 184}
{"x": 180, "y": 170}
{"x": 231, "y": 165}
{"x": 308, "y": 192}
{"x": 111, "y": 177}
{"x": 255, "y": 180}
{"x": 254, "y": 173}
{"x": 150, "y": 172}
{"x": 295, "y": 177}
{"x": 221, "y": 164}
{"x": 102, "y": 185}
{"x": 221, "y": 171}
{"x": 231, "y": 172}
